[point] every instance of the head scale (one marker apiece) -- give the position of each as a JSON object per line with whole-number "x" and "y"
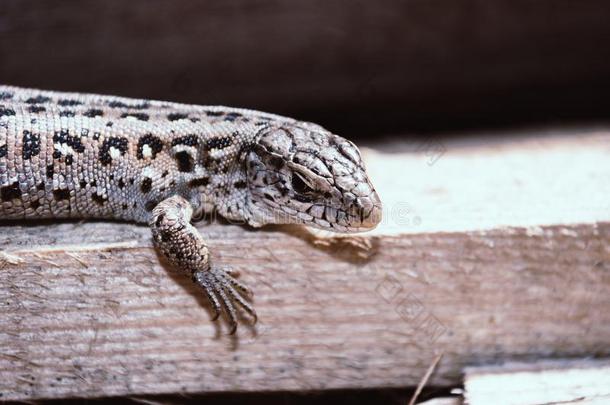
{"x": 301, "y": 173}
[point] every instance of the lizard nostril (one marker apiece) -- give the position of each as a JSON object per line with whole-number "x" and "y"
{"x": 368, "y": 210}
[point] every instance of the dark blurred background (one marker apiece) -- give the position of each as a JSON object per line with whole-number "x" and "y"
{"x": 358, "y": 67}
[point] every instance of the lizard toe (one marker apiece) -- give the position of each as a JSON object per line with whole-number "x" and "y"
{"x": 225, "y": 293}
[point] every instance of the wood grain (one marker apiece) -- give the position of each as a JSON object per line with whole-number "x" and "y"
{"x": 90, "y": 311}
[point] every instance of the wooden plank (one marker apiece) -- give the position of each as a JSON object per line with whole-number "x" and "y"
{"x": 546, "y": 382}
{"x": 91, "y": 312}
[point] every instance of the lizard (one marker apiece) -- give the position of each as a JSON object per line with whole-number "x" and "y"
{"x": 165, "y": 164}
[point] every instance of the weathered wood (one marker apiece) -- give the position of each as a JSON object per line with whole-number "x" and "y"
{"x": 91, "y": 312}
{"x": 545, "y": 382}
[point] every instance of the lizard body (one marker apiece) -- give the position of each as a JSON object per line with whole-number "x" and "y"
{"x": 71, "y": 155}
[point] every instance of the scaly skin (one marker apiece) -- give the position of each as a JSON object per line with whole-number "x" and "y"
{"x": 70, "y": 155}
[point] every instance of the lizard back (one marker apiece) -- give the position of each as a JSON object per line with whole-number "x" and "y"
{"x": 72, "y": 155}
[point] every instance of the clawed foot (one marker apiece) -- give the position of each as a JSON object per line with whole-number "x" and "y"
{"x": 223, "y": 290}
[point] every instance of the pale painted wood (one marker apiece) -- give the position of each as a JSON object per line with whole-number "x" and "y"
{"x": 89, "y": 311}
{"x": 545, "y": 382}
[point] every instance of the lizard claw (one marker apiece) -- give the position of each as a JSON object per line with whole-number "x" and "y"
{"x": 223, "y": 290}
{"x": 232, "y": 272}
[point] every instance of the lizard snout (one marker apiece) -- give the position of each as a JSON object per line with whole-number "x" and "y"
{"x": 367, "y": 210}
{"x": 373, "y": 218}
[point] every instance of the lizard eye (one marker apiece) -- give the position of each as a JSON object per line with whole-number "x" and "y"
{"x": 300, "y": 185}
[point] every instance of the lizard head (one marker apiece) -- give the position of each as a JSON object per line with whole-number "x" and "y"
{"x": 301, "y": 173}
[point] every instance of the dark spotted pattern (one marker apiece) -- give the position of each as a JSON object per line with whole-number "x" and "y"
{"x": 38, "y": 100}
{"x": 150, "y": 205}
{"x": 11, "y": 192}
{"x": 120, "y": 104}
{"x": 232, "y": 116}
{"x": 67, "y": 113}
{"x": 189, "y": 140}
{"x": 214, "y": 113}
{"x": 201, "y": 182}
{"x": 153, "y": 142}
{"x": 68, "y": 103}
{"x": 50, "y": 171}
{"x": 113, "y": 142}
{"x": 59, "y": 195}
{"x": 185, "y": 161}
{"x": 36, "y": 109}
{"x": 31, "y": 145}
{"x": 98, "y": 199}
{"x": 93, "y": 112}
{"x": 239, "y": 184}
{"x": 146, "y": 185}
{"x": 139, "y": 116}
{"x": 5, "y": 95}
{"x": 218, "y": 143}
{"x": 6, "y": 112}
{"x": 3, "y": 151}
{"x": 64, "y": 137}
{"x": 176, "y": 116}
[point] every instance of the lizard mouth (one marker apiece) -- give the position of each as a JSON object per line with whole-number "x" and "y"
{"x": 326, "y": 217}
{"x": 356, "y": 220}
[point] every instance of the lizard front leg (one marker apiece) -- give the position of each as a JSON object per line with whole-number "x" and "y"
{"x": 184, "y": 247}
